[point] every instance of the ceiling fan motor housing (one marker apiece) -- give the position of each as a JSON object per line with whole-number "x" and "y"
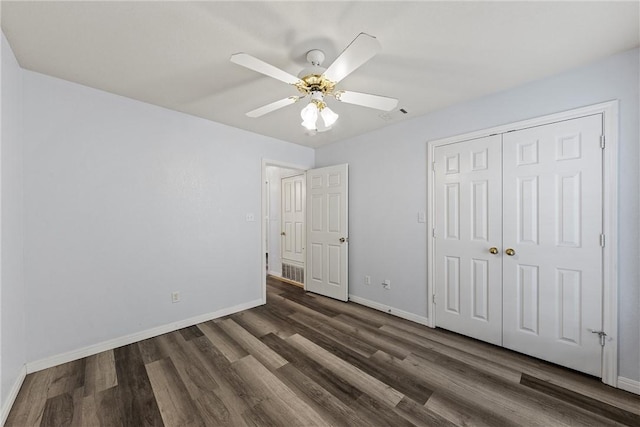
{"x": 312, "y": 78}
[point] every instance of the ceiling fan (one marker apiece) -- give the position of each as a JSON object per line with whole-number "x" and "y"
{"x": 319, "y": 83}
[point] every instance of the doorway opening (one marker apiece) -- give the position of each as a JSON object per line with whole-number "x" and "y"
{"x": 324, "y": 232}
{"x": 285, "y": 255}
{"x": 283, "y": 227}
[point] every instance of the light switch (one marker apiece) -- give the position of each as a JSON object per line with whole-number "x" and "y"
{"x": 422, "y": 217}
{"x": 250, "y": 217}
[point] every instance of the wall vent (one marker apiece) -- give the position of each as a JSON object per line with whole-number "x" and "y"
{"x": 293, "y": 272}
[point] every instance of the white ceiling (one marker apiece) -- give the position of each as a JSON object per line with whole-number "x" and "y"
{"x": 434, "y": 54}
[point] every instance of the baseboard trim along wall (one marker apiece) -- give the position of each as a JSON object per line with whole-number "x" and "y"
{"x": 390, "y": 310}
{"x": 13, "y": 393}
{"x": 626, "y": 384}
{"x": 70, "y": 356}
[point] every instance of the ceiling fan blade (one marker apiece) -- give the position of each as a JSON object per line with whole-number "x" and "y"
{"x": 273, "y": 106}
{"x": 260, "y": 66}
{"x": 367, "y": 100}
{"x": 362, "y": 48}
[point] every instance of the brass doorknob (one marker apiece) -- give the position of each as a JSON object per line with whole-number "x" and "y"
{"x": 493, "y": 250}
{"x": 342, "y": 240}
{"x": 510, "y": 252}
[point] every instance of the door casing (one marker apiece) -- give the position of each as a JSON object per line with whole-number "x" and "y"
{"x": 609, "y": 111}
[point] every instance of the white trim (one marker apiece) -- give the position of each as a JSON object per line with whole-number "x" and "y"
{"x": 275, "y": 273}
{"x": 264, "y": 216}
{"x": 69, "y": 356}
{"x": 631, "y": 386}
{"x": 609, "y": 111}
{"x": 610, "y": 252}
{"x": 13, "y": 393}
{"x": 608, "y": 106}
{"x": 389, "y": 310}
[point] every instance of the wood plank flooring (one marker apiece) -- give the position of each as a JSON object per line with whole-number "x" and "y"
{"x": 306, "y": 360}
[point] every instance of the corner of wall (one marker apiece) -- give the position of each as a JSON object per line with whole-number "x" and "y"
{"x": 5, "y": 408}
{"x": 12, "y": 288}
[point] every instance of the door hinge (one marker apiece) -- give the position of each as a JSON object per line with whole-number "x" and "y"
{"x": 433, "y": 232}
{"x": 602, "y": 335}
{"x": 602, "y": 144}
{"x": 602, "y": 240}
{"x": 433, "y": 166}
{"x": 434, "y": 298}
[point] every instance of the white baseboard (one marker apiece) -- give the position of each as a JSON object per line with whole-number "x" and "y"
{"x": 390, "y": 310}
{"x": 69, "y": 356}
{"x": 275, "y": 273}
{"x": 626, "y": 384}
{"x": 13, "y": 393}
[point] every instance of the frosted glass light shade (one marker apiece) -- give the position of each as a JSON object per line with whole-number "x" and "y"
{"x": 309, "y": 116}
{"x": 328, "y": 116}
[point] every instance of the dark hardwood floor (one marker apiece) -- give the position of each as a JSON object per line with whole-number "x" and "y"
{"x": 304, "y": 360}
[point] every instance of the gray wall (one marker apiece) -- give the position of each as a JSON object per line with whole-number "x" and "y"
{"x": 12, "y": 290}
{"x": 126, "y": 202}
{"x": 388, "y": 186}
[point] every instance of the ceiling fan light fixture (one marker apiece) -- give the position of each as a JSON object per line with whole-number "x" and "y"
{"x": 309, "y": 116}
{"x": 328, "y": 116}
{"x": 318, "y": 82}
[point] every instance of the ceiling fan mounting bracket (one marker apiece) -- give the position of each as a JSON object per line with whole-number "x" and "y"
{"x": 315, "y": 57}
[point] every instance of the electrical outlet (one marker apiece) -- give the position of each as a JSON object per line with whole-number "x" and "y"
{"x": 250, "y": 217}
{"x": 175, "y": 297}
{"x": 367, "y": 280}
{"x": 386, "y": 284}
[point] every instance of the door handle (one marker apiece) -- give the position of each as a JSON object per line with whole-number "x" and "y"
{"x": 493, "y": 250}
{"x": 282, "y": 233}
{"x": 510, "y": 252}
{"x": 344, "y": 239}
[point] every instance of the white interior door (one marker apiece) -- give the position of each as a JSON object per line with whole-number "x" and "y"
{"x": 292, "y": 220}
{"x": 328, "y": 231}
{"x": 552, "y": 281}
{"x": 468, "y": 210}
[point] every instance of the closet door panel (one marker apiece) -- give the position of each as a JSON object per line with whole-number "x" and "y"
{"x": 552, "y": 220}
{"x": 468, "y": 223}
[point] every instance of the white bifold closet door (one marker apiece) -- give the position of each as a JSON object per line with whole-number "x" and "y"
{"x": 517, "y": 250}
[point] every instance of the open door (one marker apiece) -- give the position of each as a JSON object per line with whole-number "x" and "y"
{"x": 328, "y": 232}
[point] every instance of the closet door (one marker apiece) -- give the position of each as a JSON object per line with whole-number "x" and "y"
{"x": 552, "y": 263}
{"x": 468, "y": 235}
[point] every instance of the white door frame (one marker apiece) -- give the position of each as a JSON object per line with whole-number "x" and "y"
{"x": 609, "y": 111}
{"x": 263, "y": 207}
